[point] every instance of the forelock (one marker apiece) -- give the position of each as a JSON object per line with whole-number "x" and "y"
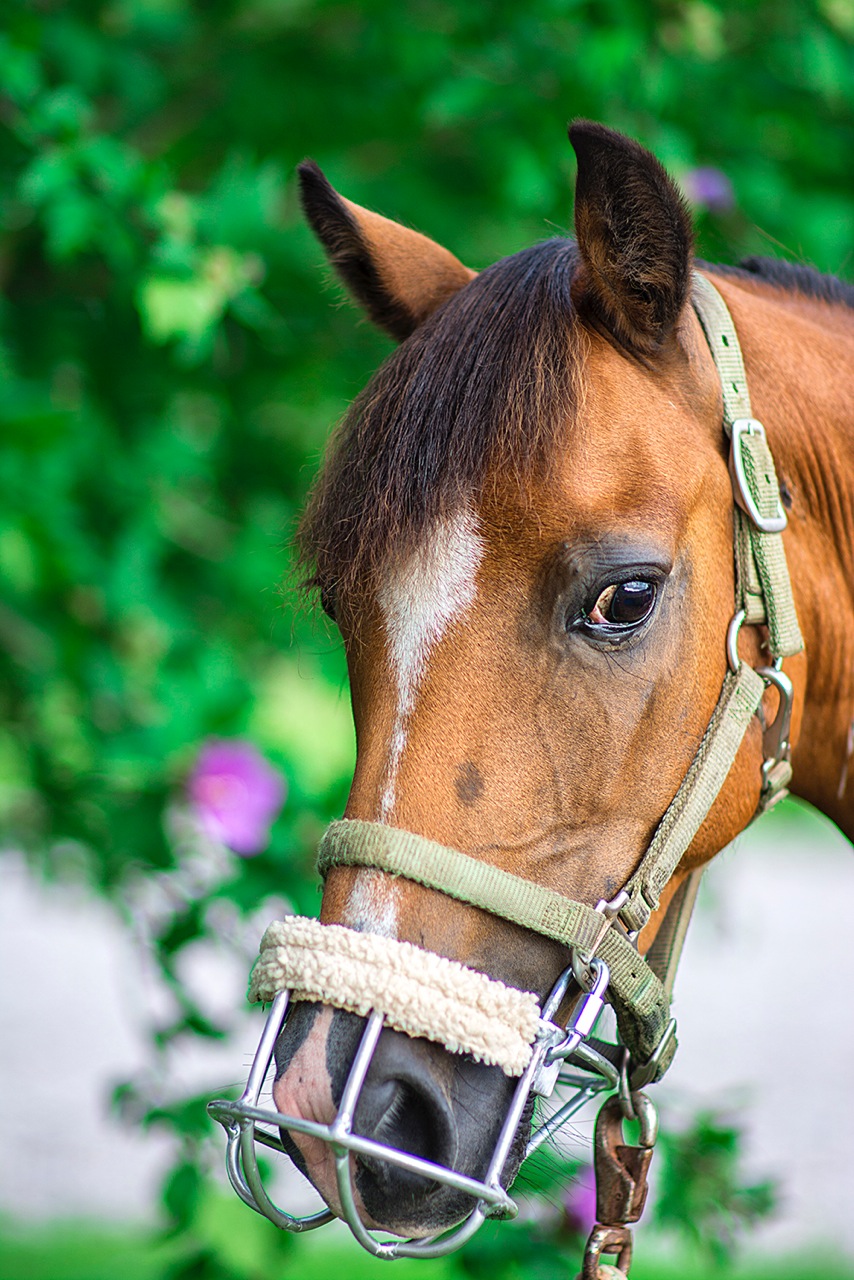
{"x": 488, "y": 384}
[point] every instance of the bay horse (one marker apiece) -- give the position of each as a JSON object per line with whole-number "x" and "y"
{"x": 524, "y": 530}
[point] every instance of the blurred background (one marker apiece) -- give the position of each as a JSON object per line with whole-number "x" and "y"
{"x": 175, "y": 728}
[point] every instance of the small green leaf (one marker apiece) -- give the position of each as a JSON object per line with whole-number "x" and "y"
{"x": 180, "y": 1194}
{"x": 173, "y": 308}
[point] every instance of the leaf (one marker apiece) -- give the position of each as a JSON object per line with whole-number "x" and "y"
{"x": 20, "y": 72}
{"x": 181, "y": 1193}
{"x": 173, "y": 308}
{"x": 201, "y": 1264}
{"x": 48, "y": 174}
{"x": 702, "y": 1195}
{"x": 300, "y": 715}
{"x": 73, "y": 222}
{"x": 186, "y": 1117}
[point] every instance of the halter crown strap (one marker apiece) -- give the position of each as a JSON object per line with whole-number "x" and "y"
{"x": 742, "y": 692}
{"x": 763, "y": 588}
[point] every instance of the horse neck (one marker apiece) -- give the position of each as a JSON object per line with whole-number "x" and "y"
{"x": 799, "y": 354}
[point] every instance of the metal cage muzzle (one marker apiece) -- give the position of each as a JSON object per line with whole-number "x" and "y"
{"x": 561, "y": 1058}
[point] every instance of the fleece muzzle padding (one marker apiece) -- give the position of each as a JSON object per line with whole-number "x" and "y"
{"x": 419, "y": 993}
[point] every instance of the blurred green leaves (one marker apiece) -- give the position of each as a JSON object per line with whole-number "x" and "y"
{"x": 703, "y": 1196}
{"x": 146, "y": 499}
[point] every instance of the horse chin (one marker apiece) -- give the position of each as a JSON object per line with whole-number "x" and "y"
{"x": 416, "y": 1098}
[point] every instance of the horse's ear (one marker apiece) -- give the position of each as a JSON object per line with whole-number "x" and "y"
{"x": 399, "y": 276}
{"x": 635, "y": 239}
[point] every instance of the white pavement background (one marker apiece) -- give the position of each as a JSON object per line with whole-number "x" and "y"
{"x": 764, "y": 998}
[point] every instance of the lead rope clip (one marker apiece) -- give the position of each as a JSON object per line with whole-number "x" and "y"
{"x": 621, "y": 1184}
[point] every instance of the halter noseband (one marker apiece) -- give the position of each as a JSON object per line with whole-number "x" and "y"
{"x": 426, "y": 995}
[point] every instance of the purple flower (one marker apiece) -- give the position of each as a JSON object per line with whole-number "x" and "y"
{"x": 235, "y": 794}
{"x": 709, "y": 188}
{"x": 579, "y": 1203}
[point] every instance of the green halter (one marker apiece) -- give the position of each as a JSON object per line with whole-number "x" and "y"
{"x": 640, "y": 988}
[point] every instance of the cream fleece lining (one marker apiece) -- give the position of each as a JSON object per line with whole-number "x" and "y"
{"x": 420, "y": 993}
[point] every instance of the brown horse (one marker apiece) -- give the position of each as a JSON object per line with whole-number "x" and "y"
{"x": 524, "y": 531}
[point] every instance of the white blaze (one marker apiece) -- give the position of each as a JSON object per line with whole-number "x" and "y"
{"x": 419, "y": 601}
{"x": 372, "y": 904}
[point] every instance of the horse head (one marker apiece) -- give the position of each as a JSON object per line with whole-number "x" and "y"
{"x": 524, "y": 531}
{"x": 524, "y": 534}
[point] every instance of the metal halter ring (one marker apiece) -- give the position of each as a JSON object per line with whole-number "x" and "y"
{"x": 560, "y": 1056}
{"x": 732, "y": 640}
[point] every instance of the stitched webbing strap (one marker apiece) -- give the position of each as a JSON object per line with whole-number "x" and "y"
{"x": 640, "y": 1002}
{"x": 763, "y": 587}
{"x": 740, "y": 697}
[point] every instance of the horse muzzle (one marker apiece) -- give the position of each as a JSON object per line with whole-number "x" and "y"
{"x": 548, "y": 1072}
{"x": 416, "y": 1097}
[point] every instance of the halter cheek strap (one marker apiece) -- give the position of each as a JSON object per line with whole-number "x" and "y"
{"x": 763, "y": 587}
{"x": 640, "y": 988}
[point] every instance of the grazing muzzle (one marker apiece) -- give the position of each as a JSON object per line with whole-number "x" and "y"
{"x": 404, "y": 987}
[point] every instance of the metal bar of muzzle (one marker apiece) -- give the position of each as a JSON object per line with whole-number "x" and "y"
{"x": 240, "y": 1121}
{"x": 243, "y": 1121}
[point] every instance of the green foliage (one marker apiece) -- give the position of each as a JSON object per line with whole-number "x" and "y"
{"x": 171, "y": 364}
{"x": 77, "y": 1253}
{"x": 702, "y": 1195}
{"x": 547, "y": 1240}
{"x": 521, "y": 1250}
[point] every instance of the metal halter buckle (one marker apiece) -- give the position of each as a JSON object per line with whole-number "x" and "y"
{"x": 644, "y": 1073}
{"x": 765, "y": 524}
{"x": 246, "y": 1122}
{"x": 776, "y": 767}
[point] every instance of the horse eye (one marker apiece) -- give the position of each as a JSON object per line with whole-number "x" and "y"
{"x": 623, "y": 604}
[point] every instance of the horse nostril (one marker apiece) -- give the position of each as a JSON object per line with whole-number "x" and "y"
{"x": 416, "y": 1098}
{"x": 409, "y": 1123}
{"x": 409, "y": 1117}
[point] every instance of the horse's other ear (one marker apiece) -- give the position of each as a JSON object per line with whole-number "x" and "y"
{"x": 399, "y": 276}
{"x": 635, "y": 239}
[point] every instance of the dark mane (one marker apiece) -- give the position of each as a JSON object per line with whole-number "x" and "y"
{"x": 488, "y": 381}
{"x": 794, "y": 277}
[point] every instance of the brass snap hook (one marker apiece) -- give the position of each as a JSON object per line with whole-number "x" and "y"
{"x": 621, "y": 1170}
{"x": 603, "y": 1239}
{"x": 621, "y": 1185}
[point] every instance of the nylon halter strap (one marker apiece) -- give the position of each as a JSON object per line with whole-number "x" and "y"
{"x": 640, "y": 988}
